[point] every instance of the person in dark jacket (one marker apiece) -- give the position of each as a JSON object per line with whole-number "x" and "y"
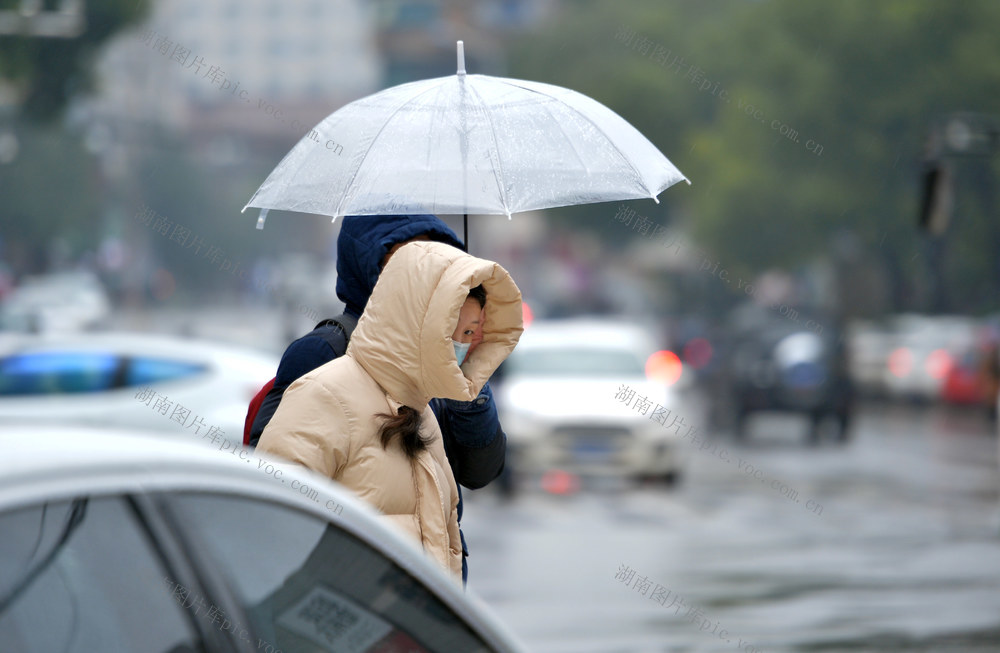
{"x": 474, "y": 441}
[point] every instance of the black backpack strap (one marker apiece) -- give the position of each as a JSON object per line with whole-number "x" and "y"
{"x": 336, "y": 337}
{"x": 346, "y": 324}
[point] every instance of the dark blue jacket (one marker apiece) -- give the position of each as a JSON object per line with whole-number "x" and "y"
{"x": 473, "y": 439}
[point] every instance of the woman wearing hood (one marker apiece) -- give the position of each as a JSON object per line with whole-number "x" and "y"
{"x": 364, "y": 419}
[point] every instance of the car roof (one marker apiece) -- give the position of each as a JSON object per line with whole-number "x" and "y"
{"x": 588, "y": 332}
{"x": 47, "y": 463}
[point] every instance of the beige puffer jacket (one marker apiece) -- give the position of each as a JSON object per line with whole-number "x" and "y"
{"x": 401, "y": 354}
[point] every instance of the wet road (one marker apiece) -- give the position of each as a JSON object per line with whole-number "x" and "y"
{"x": 891, "y": 543}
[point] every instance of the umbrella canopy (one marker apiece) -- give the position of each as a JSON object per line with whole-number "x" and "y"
{"x": 466, "y": 144}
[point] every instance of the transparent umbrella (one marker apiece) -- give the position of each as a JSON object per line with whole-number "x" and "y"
{"x": 465, "y": 144}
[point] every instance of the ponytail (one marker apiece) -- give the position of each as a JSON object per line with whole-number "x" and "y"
{"x": 406, "y": 426}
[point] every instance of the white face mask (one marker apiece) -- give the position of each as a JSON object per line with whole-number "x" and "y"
{"x": 461, "y": 350}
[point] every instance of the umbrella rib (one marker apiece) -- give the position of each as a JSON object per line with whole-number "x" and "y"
{"x": 354, "y": 176}
{"x": 595, "y": 126}
{"x": 569, "y": 140}
{"x": 496, "y": 148}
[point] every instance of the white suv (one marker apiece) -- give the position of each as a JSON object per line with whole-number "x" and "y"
{"x": 583, "y": 395}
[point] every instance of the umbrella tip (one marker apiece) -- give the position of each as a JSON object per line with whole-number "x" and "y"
{"x": 261, "y": 218}
{"x": 461, "y": 57}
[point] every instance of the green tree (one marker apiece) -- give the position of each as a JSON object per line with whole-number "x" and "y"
{"x": 863, "y": 80}
{"x": 795, "y": 121}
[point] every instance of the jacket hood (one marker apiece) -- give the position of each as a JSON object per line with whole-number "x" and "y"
{"x": 365, "y": 239}
{"x": 403, "y": 339}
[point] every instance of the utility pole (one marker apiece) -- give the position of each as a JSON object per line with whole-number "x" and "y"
{"x": 961, "y": 135}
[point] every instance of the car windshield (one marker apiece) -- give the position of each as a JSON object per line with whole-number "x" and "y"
{"x": 56, "y": 372}
{"x": 575, "y": 361}
{"x": 71, "y": 372}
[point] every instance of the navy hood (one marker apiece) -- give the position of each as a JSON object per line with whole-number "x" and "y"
{"x": 365, "y": 239}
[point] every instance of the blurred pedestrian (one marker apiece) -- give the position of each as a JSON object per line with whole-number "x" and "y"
{"x": 364, "y": 419}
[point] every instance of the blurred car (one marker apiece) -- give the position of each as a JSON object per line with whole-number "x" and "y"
{"x": 309, "y": 282}
{"x": 869, "y": 345}
{"x": 788, "y": 364}
{"x": 130, "y": 380}
{"x": 973, "y": 376}
{"x": 64, "y": 301}
{"x": 964, "y": 383}
{"x": 561, "y": 396}
{"x": 132, "y": 543}
{"x": 925, "y": 349}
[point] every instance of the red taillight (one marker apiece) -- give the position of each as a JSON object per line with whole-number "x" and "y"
{"x": 901, "y": 362}
{"x": 664, "y": 366}
{"x": 556, "y": 481}
{"x": 527, "y": 317}
{"x": 938, "y": 364}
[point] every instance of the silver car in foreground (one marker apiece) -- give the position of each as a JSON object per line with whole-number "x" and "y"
{"x": 149, "y": 544}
